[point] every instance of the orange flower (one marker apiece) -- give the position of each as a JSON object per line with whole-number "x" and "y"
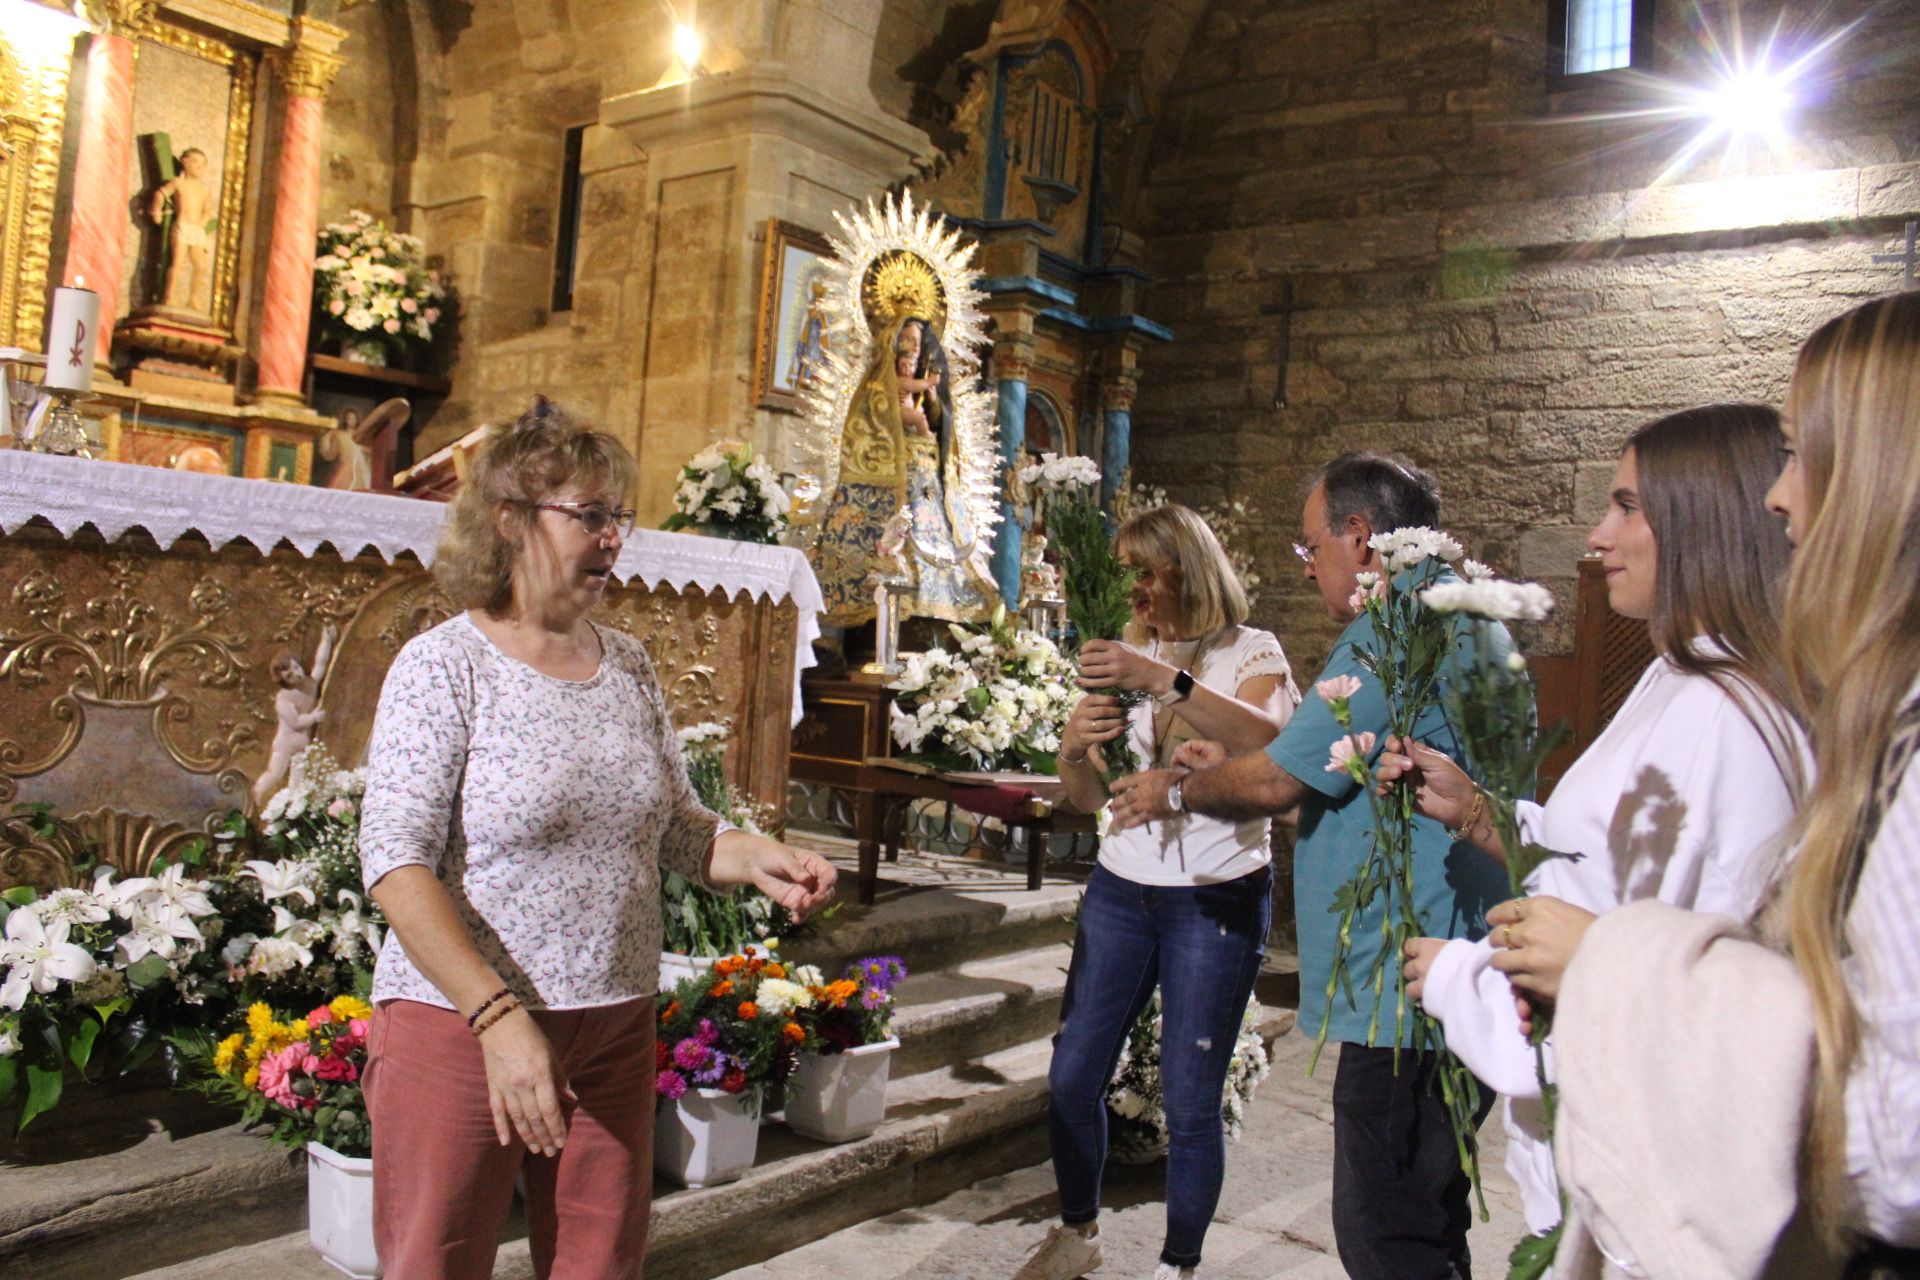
{"x": 755, "y": 966}
{"x": 749, "y": 952}
{"x": 793, "y": 1032}
{"x": 749, "y": 1010}
{"x": 673, "y": 1007}
{"x": 729, "y": 966}
{"x": 721, "y": 989}
{"x": 776, "y": 971}
{"x": 838, "y": 993}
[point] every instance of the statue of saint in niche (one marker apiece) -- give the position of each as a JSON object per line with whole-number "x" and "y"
{"x": 188, "y": 201}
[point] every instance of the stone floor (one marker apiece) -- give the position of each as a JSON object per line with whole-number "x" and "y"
{"x": 1274, "y": 1217}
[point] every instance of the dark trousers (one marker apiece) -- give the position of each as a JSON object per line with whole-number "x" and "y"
{"x": 1400, "y": 1199}
{"x": 1203, "y": 946}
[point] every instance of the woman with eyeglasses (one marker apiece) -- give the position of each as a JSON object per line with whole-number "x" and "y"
{"x": 525, "y": 796}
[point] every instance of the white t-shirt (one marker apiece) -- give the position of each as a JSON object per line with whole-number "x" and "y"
{"x": 1680, "y": 800}
{"x": 1189, "y": 848}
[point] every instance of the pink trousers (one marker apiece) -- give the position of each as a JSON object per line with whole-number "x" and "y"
{"x": 443, "y": 1184}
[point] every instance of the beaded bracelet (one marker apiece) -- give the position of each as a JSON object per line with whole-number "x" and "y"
{"x": 495, "y": 1016}
{"x": 485, "y": 1005}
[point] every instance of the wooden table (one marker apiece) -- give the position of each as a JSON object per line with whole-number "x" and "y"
{"x": 843, "y": 742}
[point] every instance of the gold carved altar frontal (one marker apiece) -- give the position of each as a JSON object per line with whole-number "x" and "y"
{"x": 136, "y": 697}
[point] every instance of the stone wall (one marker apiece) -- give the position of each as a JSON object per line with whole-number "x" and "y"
{"x": 1482, "y": 282}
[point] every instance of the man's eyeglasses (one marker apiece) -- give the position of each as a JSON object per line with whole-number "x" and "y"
{"x": 1309, "y": 549}
{"x": 594, "y": 517}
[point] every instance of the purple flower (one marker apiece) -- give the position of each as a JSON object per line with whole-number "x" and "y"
{"x": 874, "y": 998}
{"x": 690, "y": 1055}
{"x": 881, "y": 973}
{"x": 706, "y": 1032}
{"x": 670, "y": 1084}
{"x": 708, "y": 1077}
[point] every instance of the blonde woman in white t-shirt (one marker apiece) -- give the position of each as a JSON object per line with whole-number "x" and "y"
{"x": 1687, "y": 795}
{"x": 1182, "y": 904}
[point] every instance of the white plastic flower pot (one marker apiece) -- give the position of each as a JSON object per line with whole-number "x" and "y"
{"x": 707, "y": 1137}
{"x": 340, "y": 1211}
{"x": 674, "y": 967}
{"x": 840, "y": 1097}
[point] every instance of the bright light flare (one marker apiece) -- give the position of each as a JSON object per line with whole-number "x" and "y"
{"x": 687, "y": 46}
{"x": 1753, "y": 101}
{"x": 38, "y": 32}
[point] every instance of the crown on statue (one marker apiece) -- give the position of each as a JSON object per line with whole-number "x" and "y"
{"x": 901, "y": 284}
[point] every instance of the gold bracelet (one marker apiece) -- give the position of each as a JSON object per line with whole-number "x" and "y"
{"x": 1475, "y": 811}
{"x": 496, "y": 1016}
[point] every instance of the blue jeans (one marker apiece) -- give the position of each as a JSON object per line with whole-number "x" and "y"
{"x": 1202, "y": 945}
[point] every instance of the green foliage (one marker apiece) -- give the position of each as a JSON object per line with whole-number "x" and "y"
{"x": 1099, "y": 596}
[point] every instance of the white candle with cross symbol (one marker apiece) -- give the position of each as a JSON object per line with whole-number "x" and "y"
{"x": 72, "y": 332}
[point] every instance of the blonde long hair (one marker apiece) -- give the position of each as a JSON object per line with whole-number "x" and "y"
{"x": 1852, "y": 636}
{"x": 1174, "y": 537}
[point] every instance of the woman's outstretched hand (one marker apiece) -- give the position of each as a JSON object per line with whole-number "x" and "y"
{"x": 801, "y": 882}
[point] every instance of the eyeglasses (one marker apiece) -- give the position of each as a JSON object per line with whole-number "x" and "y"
{"x": 594, "y": 517}
{"x": 1310, "y": 549}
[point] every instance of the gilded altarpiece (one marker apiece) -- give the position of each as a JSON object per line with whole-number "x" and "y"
{"x": 136, "y": 699}
{"x": 33, "y": 99}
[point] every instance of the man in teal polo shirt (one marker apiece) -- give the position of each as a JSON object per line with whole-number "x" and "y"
{"x": 1400, "y": 1207}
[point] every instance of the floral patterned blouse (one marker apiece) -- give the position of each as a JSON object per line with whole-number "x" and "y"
{"x": 547, "y": 807}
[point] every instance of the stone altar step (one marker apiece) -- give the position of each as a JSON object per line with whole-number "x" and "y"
{"x": 946, "y": 1129}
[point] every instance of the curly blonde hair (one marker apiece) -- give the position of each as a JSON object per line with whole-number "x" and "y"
{"x": 544, "y": 452}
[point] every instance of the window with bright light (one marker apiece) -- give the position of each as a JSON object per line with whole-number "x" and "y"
{"x": 1599, "y": 35}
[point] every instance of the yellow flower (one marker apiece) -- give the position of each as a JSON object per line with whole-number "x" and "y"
{"x": 252, "y": 1078}
{"x": 259, "y": 1018}
{"x": 223, "y": 1056}
{"x": 350, "y": 1007}
{"x": 296, "y": 1031}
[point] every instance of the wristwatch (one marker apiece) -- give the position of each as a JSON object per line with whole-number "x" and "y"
{"x": 1175, "y": 801}
{"x": 1183, "y": 683}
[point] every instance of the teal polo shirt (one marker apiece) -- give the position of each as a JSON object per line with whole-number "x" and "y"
{"x": 1454, "y": 883}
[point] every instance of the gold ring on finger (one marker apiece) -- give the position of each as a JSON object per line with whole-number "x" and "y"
{"x": 1506, "y": 936}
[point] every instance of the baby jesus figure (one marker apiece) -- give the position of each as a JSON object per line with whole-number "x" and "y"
{"x": 914, "y": 391}
{"x": 297, "y": 708}
{"x": 190, "y": 272}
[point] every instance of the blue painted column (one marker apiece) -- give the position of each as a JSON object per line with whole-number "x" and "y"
{"x": 1116, "y": 440}
{"x": 1013, "y": 443}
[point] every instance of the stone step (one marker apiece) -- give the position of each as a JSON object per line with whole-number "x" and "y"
{"x": 978, "y": 1007}
{"x": 946, "y": 1129}
{"x": 936, "y": 911}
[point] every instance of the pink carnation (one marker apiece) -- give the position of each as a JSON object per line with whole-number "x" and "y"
{"x": 358, "y": 1028}
{"x": 320, "y": 1017}
{"x": 339, "y": 1070}
{"x": 1338, "y": 688}
{"x": 391, "y": 326}
{"x": 276, "y": 1077}
{"x": 336, "y": 307}
{"x": 1343, "y": 757}
{"x": 670, "y": 1084}
{"x": 340, "y": 808}
{"x": 433, "y": 315}
{"x": 409, "y": 306}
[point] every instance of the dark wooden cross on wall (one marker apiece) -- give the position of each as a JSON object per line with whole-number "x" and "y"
{"x": 1909, "y": 257}
{"x": 1284, "y": 309}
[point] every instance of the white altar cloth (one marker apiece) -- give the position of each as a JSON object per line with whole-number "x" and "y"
{"x": 114, "y": 497}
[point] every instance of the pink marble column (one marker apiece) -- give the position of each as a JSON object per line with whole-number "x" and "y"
{"x": 96, "y": 244}
{"x": 296, "y": 220}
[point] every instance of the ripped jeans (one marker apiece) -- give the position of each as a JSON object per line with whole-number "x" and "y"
{"x": 1203, "y": 945}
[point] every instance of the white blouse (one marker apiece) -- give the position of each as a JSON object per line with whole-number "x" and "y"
{"x": 1190, "y": 848}
{"x": 546, "y": 807}
{"x": 1678, "y": 799}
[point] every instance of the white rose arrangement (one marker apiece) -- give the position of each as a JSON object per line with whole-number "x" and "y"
{"x": 726, "y": 491}
{"x": 371, "y": 285}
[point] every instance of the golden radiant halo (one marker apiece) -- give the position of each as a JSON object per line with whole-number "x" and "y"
{"x": 901, "y": 284}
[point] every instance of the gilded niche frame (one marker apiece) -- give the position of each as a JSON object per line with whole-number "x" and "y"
{"x": 791, "y": 332}
{"x": 242, "y": 72}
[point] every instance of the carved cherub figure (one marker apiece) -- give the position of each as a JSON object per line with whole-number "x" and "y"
{"x": 297, "y": 708}
{"x": 890, "y": 561}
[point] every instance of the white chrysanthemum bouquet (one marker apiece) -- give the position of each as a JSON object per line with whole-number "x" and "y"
{"x": 372, "y": 288}
{"x": 1137, "y": 1119}
{"x": 726, "y": 492}
{"x": 997, "y": 700}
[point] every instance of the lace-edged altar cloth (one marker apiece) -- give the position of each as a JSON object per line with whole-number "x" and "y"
{"x": 114, "y": 497}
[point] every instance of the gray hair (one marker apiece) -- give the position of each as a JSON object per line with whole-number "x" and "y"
{"x": 1388, "y": 490}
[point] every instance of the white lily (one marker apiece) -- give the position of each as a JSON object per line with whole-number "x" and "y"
{"x": 40, "y": 958}
{"x": 282, "y": 879}
{"x": 74, "y": 906}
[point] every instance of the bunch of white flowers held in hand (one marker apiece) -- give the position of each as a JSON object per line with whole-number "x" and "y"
{"x": 998, "y": 700}
{"x": 726, "y": 491}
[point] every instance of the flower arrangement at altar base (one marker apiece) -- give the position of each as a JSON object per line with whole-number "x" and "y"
{"x": 697, "y": 922}
{"x": 727, "y": 492}
{"x": 998, "y": 700}
{"x": 96, "y": 981}
{"x": 855, "y": 1009}
{"x": 372, "y": 290}
{"x": 734, "y": 1029}
{"x": 301, "y": 1075}
{"x": 1416, "y": 630}
{"x": 1137, "y": 1125}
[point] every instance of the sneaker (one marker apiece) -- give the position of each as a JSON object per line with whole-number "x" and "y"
{"x": 1064, "y": 1254}
{"x": 1167, "y": 1271}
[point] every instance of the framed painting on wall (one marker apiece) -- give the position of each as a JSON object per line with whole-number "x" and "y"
{"x": 791, "y": 343}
